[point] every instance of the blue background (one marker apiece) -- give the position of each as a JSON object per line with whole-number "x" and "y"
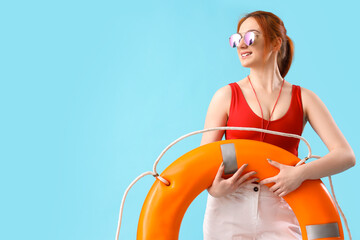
{"x": 93, "y": 91}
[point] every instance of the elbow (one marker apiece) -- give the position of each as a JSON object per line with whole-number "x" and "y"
{"x": 348, "y": 157}
{"x": 351, "y": 159}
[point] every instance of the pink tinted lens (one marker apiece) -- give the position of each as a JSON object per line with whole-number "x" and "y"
{"x": 249, "y": 38}
{"x": 234, "y": 40}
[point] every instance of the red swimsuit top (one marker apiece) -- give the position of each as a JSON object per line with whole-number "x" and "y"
{"x": 241, "y": 115}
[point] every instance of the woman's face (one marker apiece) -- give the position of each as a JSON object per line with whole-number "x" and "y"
{"x": 251, "y": 56}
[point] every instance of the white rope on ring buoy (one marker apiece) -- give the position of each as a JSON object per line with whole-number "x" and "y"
{"x": 166, "y": 182}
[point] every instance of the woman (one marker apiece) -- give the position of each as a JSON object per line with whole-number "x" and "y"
{"x": 239, "y": 207}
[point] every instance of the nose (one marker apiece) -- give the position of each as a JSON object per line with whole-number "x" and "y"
{"x": 242, "y": 44}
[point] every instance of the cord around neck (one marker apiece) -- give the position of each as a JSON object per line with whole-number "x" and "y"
{"x": 262, "y": 135}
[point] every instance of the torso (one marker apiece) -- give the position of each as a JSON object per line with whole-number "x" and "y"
{"x": 244, "y": 111}
{"x": 267, "y": 101}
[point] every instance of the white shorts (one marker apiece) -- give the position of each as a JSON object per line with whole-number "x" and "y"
{"x": 248, "y": 214}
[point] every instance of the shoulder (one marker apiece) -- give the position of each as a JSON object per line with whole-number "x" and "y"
{"x": 308, "y": 96}
{"x": 221, "y": 101}
{"x": 224, "y": 93}
{"x": 311, "y": 102}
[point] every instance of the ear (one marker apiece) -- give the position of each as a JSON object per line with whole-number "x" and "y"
{"x": 277, "y": 44}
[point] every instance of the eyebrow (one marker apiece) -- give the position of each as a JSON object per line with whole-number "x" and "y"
{"x": 252, "y": 30}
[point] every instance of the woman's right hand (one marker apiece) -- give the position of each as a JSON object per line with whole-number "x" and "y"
{"x": 221, "y": 186}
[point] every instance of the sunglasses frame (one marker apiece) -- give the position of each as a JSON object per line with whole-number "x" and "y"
{"x": 241, "y": 37}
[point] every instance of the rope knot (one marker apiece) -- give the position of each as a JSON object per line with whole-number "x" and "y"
{"x": 163, "y": 180}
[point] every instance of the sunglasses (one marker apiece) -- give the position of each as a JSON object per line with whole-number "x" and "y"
{"x": 235, "y": 39}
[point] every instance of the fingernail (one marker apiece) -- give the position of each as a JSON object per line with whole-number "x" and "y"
{"x": 269, "y": 160}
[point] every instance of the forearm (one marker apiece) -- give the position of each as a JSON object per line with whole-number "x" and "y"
{"x": 334, "y": 162}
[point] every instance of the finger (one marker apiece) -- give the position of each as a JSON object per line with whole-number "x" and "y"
{"x": 268, "y": 180}
{"x": 274, "y": 163}
{"x": 282, "y": 194}
{"x": 251, "y": 180}
{"x": 238, "y": 172}
{"x": 278, "y": 191}
{"x": 274, "y": 188}
{"x": 246, "y": 176}
{"x": 220, "y": 172}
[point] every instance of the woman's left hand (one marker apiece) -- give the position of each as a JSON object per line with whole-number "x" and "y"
{"x": 288, "y": 179}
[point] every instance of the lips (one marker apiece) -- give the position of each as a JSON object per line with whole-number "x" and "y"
{"x": 245, "y": 54}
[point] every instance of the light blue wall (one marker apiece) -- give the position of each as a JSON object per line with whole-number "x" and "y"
{"x": 92, "y": 91}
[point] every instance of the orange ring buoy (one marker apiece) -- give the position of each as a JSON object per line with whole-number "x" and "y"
{"x": 192, "y": 173}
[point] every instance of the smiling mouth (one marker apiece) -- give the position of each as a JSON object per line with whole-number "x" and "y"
{"x": 245, "y": 55}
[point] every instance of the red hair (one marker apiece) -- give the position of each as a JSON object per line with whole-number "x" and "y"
{"x": 273, "y": 28}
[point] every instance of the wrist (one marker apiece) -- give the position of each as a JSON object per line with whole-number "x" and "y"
{"x": 303, "y": 172}
{"x": 211, "y": 191}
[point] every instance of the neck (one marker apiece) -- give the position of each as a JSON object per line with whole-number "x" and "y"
{"x": 266, "y": 77}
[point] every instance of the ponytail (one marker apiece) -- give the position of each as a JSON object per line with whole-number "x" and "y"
{"x": 285, "y": 56}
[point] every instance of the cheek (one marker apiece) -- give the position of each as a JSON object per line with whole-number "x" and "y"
{"x": 238, "y": 51}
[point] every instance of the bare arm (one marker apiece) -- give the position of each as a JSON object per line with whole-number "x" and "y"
{"x": 339, "y": 158}
{"x": 341, "y": 155}
{"x": 217, "y": 115}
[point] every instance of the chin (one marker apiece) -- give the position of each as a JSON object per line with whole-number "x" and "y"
{"x": 246, "y": 64}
